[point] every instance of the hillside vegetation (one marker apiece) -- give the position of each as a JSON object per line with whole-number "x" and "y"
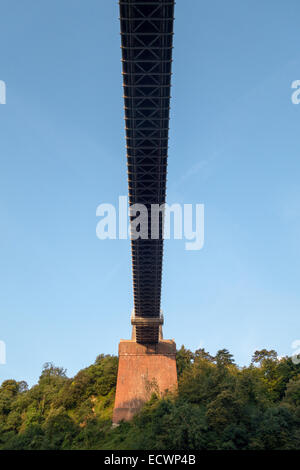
{"x": 218, "y": 406}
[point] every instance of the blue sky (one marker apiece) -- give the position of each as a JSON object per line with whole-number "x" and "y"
{"x": 66, "y": 296}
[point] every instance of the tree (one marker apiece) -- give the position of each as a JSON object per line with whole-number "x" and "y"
{"x": 184, "y": 359}
{"x": 50, "y": 371}
{"x": 218, "y": 406}
{"x": 224, "y": 358}
{"x": 263, "y": 354}
{"x": 202, "y": 354}
{"x": 292, "y": 394}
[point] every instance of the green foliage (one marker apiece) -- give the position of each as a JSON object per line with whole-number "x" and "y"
{"x": 184, "y": 358}
{"x": 218, "y": 406}
{"x": 224, "y": 358}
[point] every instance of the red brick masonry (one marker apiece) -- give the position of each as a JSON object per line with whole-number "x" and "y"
{"x": 143, "y": 369}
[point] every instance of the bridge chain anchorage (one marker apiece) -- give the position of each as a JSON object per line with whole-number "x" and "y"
{"x": 146, "y": 43}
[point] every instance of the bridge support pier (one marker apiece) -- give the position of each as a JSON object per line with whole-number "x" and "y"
{"x": 144, "y": 369}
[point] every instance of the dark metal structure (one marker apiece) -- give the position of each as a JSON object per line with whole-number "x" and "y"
{"x": 146, "y": 41}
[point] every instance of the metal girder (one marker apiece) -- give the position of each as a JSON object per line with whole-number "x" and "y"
{"x": 146, "y": 43}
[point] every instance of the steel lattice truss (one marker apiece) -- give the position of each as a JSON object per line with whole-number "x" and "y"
{"x": 146, "y": 41}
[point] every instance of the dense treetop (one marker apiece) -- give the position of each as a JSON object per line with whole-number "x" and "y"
{"x": 218, "y": 406}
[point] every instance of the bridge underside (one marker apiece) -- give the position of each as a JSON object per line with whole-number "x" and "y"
{"x": 146, "y": 41}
